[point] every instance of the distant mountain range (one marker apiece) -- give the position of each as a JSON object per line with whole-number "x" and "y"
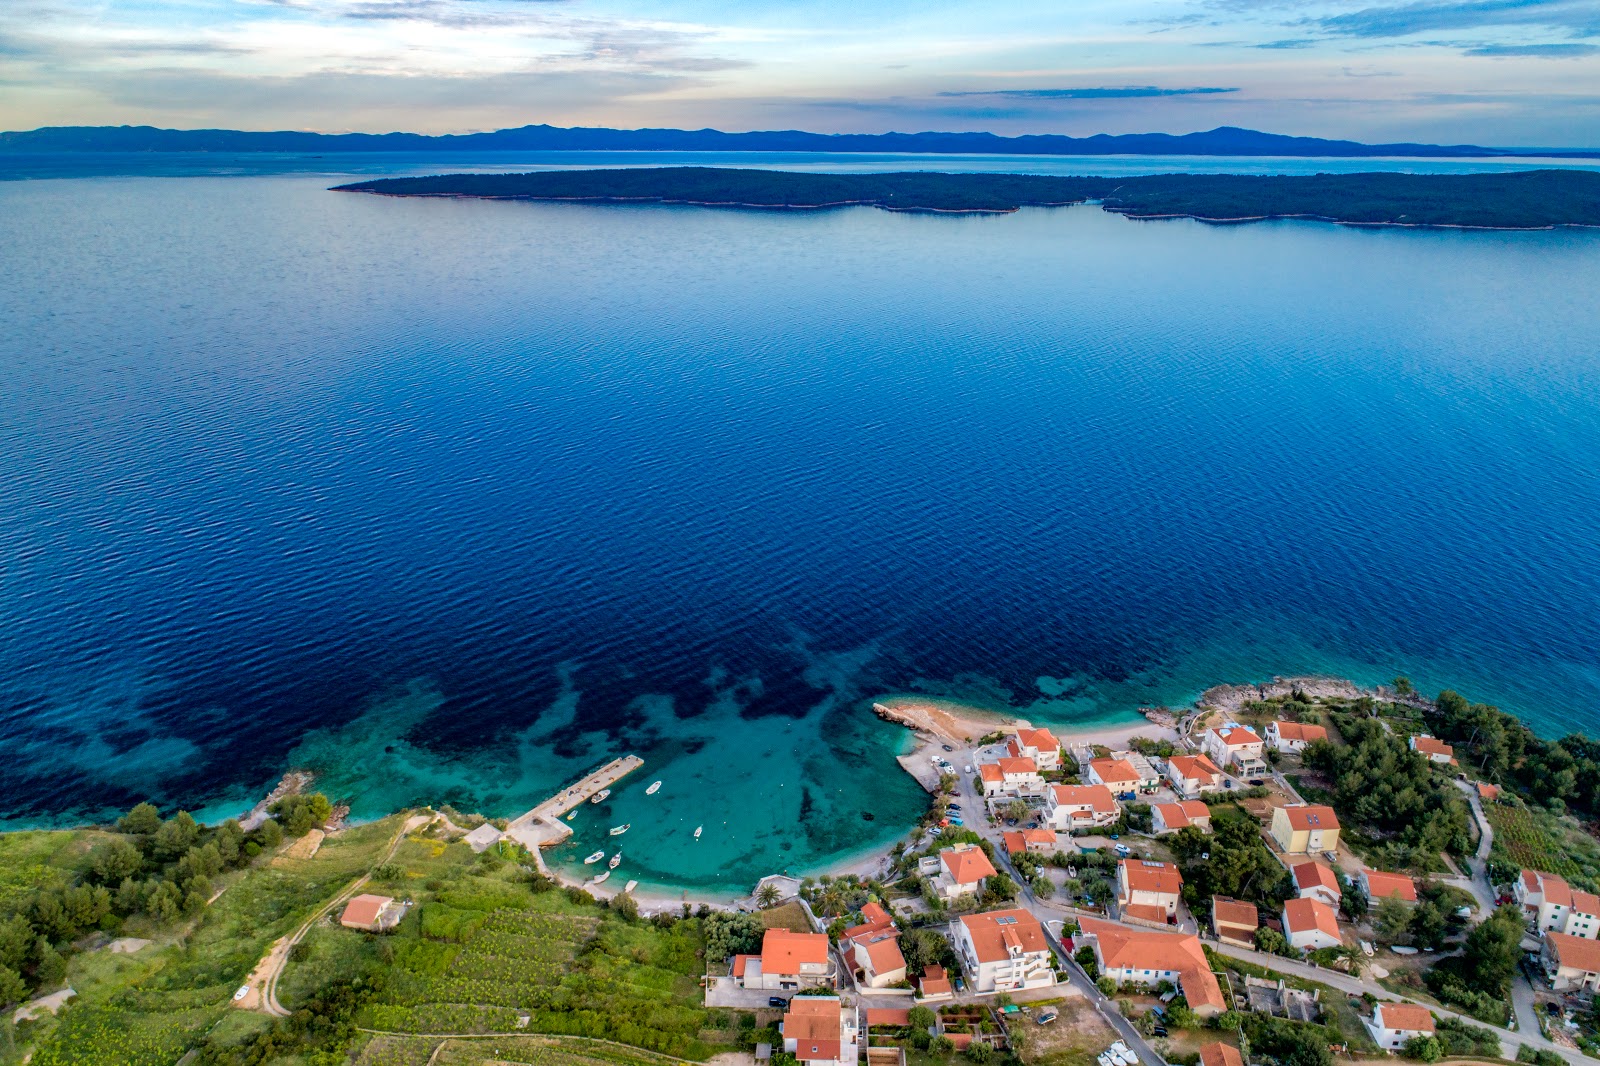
{"x": 1222, "y": 141}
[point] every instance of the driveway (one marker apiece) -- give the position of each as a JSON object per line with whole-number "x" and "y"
{"x": 725, "y": 992}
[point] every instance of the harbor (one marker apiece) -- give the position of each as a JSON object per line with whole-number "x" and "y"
{"x": 543, "y": 826}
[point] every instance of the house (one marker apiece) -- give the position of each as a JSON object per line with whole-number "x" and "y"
{"x": 1313, "y": 880}
{"x": 1038, "y": 841}
{"x": 875, "y": 918}
{"x": 373, "y": 914}
{"x": 1115, "y": 774}
{"x": 1220, "y": 1054}
{"x": 1234, "y": 746}
{"x": 1143, "y": 769}
{"x": 1081, "y": 807}
{"x": 1192, "y": 775}
{"x": 1488, "y": 793}
{"x": 788, "y": 960}
{"x": 1146, "y": 957}
{"x": 1003, "y": 951}
{"x": 934, "y": 985}
{"x": 1040, "y": 745}
{"x": 1309, "y": 924}
{"x": 820, "y": 1031}
{"x": 1234, "y": 922}
{"x": 1392, "y": 1024}
{"x": 1376, "y": 885}
{"x": 876, "y": 958}
{"x": 482, "y": 838}
{"x": 1292, "y": 736}
{"x": 1171, "y": 817}
{"x": 1570, "y": 963}
{"x": 1148, "y": 890}
{"x": 1011, "y": 776}
{"x": 1305, "y": 827}
{"x": 964, "y": 868}
{"x": 1436, "y": 750}
{"x": 1583, "y": 918}
{"x": 1545, "y": 898}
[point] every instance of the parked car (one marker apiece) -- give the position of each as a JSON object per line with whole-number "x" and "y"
{"x": 1256, "y": 782}
{"x": 1124, "y": 850}
{"x": 967, "y": 770}
{"x": 777, "y": 1001}
{"x": 948, "y": 748}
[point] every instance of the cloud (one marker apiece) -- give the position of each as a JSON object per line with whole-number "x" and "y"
{"x": 1098, "y": 93}
{"x": 1580, "y": 18}
{"x": 1536, "y": 51}
{"x": 1291, "y": 42}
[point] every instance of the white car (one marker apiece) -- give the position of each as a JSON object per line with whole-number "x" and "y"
{"x": 244, "y": 990}
{"x": 967, "y": 770}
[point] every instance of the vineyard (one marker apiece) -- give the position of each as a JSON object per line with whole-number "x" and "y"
{"x": 1537, "y": 840}
{"x": 523, "y": 1050}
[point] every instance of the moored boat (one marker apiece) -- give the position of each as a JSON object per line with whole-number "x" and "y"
{"x": 599, "y": 877}
{"x": 616, "y": 860}
{"x": 630, "y": 886}
{"x": 655, "y": 787}
{"x": 698, "y": 830}
{"x": 600, "y": 797}
{"x": 618, "y": 830}
{"x": 596, "y": 857}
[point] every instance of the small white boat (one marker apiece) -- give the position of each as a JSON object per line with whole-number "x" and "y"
{"x": 653, "y": 789}
{"x": 618, "y": 830}
{"x": 596, "y": 857}
{"x": 1105, "y": 1059}
{"x": 698, "y": 830}
{"x": 616, "y": 860}
{"x": 630, "y": 886}
{"x": 601, "y": 796}
{"x": 1122, "y": 1054}
{"x": 599, "y": 877}
{"x": 571, "y": 816}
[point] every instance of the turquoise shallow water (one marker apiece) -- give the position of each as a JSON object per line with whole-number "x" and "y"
{"x": 454, "y": 501}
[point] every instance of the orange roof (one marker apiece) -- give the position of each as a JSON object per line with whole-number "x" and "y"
{"x": 1018, "y": 766}
{"x": 1408, "y": 1017}
{"x": 1015, "y": 842}
{"x": 1042, "y": 739}
{"x": 1488, "y": 791}
{"x": 1220, "y": 1054}
{"x": 990, "y": 772}
{"x": 1309, "y": 875}
{"x": 934, "y": 982}
{"x": 364, "y": 909}
{"x": 1039, "y": 836}
{"x": 1123, "y": 948}
{"x": 1380, "y": 884}
{"x": 1431, "y": 746}
{"x": 784, "y": 951}
{"x": 1097, "y": 797}
{"x": 1114, "y": 770}
{"x": 1143, "y": 875}
{"x": 1179, "y": 815}
{"x": 1556, "y": 891}
{"x": 1585, "y": 902}
{"x": 1148, "y": 912}
{"x": 1311, "y": 816}
{"x": 874, "y": 919}
{"x": 883, "y": 949}
{"x": 740, "y": 962}
{"x": 1303, "y": 915}
{"x": 1298, "y": 731}
{"x": 1194, "y": 767}
{"x": 967, "y": 865}
{"x": 813, "y": 1023}
{"x": 1234, "y": 913}
{"x": 1575, "y": 952}
{"x": 995, "y": 933}
{"x": 1236, "y": 737}
{"x": 888, "y": 1015}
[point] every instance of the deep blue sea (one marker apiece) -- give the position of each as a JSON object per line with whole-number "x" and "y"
{"x": 453, "y": 500}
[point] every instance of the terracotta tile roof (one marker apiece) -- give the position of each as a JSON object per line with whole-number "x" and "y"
{"x": 934, "y": 982}
{"x": 1432, "y": 746}
{"x": 1114, "y": 770}
{"x": 874, "y": 919}
{"x": 888, "y": 1015}
{"x": 364, "y": 909}
{"x": 883, "y": 949}
{"x": 1042, "y": 739}
{"x": 1311, "y": 874}
{"x": 1015, "y": 842}
{"x": 1096, "y": 797}
{"x": 1194, "y": 767}
{"x": 1311, "y": 816}
{"x": 1556, "y": 890}
{"x": 1142, "y": 875}
{"x": 1186, "y": 813}
{"x": 1233, "y": 913}
{"x": 1147, "y": 912}
{"x": 1380, "y": 884}
{"x": 1237, "y": 737}
{"x": 1488, "y": 791}
{"x": 1012, "y": 749}
{"x": 1530, "y": 880}
{"x": 1039, "y": 836}
{"x": 967, "y": 865}
{"x": 784, "y": 951}
{"x": 1121, "y": 947}
{"x": 1303, "y": 915}
{"x": 1018, "y": 766}
{"x": 1220, "y": 1054}
{"x": 741, "y": 963}
{"x": 994, "y": 933}
{"x": 1575, "y": 951}
{"x": 1018, "y": 841}
{"x": 1300, "y": 731}
{"x": 991, "y": 772}
{"x": 1585, "y": 902}
{"x": 813, "y": 1023}
{"x": 1405, "y": 1016}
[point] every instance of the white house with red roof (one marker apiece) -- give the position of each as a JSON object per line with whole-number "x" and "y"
{"x": 1011, "y": 776}
{"x": 1148, "y": 890}
{"x": 872, "y": 949}
{"x": 1194, "y": 775}
{"x": 1070, "y": 807}
{"x": 1310, "y": 924}
{"x": 1293, "y": 736}
{"x": 963, "y": 870}
{"x": 1003, "y": 951}
{"x": 1037, "y": 841}
{"x": 1313, "y": 880}
{"x": 1236, "y": 747}
{"x": 1376, "y": 885}
{"x": 1545, "y": 898}
{"x": 1040, "y": 745}
{"x": 821, "y": 1031}
{"x": 788, "y": 961}
{"x": 1146, "y": 958}
{"x": 1570, "y": 963}
{"x": 1116, "y": 774}
{"x": 1171, "y": 817}
{"x": 1392, "y": 1024}
{"x": 1436, "y": 750}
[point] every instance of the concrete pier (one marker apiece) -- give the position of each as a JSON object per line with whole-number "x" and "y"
{"x": 543, "y": 827}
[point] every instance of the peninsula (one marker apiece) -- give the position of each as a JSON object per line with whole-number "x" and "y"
{"x": 1532, "y": 199}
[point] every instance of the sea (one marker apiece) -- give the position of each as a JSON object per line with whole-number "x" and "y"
{"x": 452, "y": 501}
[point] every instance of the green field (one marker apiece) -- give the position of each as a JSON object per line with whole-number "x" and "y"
{"x": 1535, "y": 839}
{"x": 531, "y": 1050}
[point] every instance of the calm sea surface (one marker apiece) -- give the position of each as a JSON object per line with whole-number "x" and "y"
{"x": 453, "y": 500}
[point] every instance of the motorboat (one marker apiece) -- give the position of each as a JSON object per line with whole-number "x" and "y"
{"x": 616, "y": 860}
{"x": 698, "y": 830}
{"x": 600, "y": 877}
{"x": 1105, "y": 1059}
{"x": 601, "y": 796}
{"x": 618, "y": 830}
{"x": 571, "y": 816}
{"x": 630, "y": 886}
{"x": 1123, "y": 1054}
{"x": 596, "y": 857}
{"x": 655, "y": 786}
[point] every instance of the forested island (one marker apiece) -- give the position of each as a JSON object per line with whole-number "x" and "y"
{"x": 1532, "y": 199}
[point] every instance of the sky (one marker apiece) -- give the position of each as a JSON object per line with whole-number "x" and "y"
{"x": 1495, "y": 72}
